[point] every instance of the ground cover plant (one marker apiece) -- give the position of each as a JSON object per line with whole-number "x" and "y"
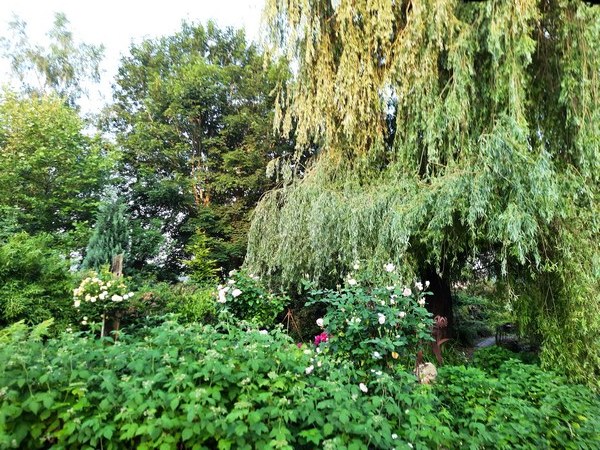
{"x": 194, "y": 386}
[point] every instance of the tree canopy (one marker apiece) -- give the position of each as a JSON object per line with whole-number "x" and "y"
{"x": 62, "y": 68}
{"x": 450, "y": 133}
{"x": 193, "y": 117}
{"x": 51, "y": 173}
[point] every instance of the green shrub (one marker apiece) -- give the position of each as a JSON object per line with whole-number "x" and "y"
{"x": 197, "y": 305}
{"x": 491, "y": 358}
{"x": 200, "y": 387}
{"x": 35, "y": 283}
{"x": 247, "y": 299}
{"x": 204, "y": 387}
{"x": 373, "y": 326}
{"x": 192, "y": 303}
{"x": 522, "y": 407}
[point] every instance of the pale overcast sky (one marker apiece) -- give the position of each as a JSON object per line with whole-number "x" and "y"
{"x": 117, "y": 23}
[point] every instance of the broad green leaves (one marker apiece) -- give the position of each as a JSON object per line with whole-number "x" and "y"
{"x": 50, "y": 171}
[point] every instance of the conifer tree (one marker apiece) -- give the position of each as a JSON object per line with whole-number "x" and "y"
{"x": 110, "y": 237}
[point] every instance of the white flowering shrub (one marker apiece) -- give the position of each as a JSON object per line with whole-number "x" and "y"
{"x": 374, "y": 326}
{"x": 246, "y": 298}
{"x": 101, "y": 296}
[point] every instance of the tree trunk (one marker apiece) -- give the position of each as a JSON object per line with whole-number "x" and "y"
{"x": 440, "y": 303}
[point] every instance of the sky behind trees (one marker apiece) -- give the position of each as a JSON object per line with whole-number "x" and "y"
{"x": 116, "y": 24}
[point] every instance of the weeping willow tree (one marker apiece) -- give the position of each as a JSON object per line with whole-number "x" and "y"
{"x": 449, "y": 132}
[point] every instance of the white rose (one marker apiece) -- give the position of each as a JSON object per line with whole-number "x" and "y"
{"x": 352, "y": 282}
{"x": 116, "y": 298}
{"x": 363, "y": 387}
{"x": 320, "y": 322}
{"x": 309, "y": 369}
{"x": 389, "y": 267}
{"x": 419, "y": 285}
{"x": 236, "y": 292}
{"x": 402, "y": 314}
{"x": 77, "y": 303}
{"x": 381, "y": 318}
{"x": 407, "y": 292}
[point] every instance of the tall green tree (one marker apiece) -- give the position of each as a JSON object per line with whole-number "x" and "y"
{"x": 450, "y": 132}
{"x": 62, "y": 66}
{"x": 193, "y": 118}
{"x": 51, "y": 172}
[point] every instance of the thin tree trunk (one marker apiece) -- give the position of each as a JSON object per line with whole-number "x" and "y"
{"x": 117, "y": 270}
{"x": 440, "y": 303}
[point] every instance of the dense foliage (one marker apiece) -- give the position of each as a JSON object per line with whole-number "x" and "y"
{"x": 454, "y": 187}
{"x": 51, "y": 173}
{"x": 376, "y": 327}
{"x": 109, "y": 238}
{"x": 35, "y": 283}
{"x": 246, "y": 299}
{"x": 193, "y": 118}
{"x": 451, "y": 132}
{"x": 201, "y": 387}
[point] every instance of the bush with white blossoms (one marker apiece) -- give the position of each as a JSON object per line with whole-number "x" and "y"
{"x": 246, "y": 298}
{"x": 375, "y": 326}
{"x": 101, "y": 296}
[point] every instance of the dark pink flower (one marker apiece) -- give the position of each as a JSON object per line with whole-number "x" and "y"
{"x": 323, "y": 337}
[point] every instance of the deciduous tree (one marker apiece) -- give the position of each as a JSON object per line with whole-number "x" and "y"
{"x": 193, "y": 118}
{"x": 51, "y": 173}
{"x": 62, "y": 67}
{"x": 450, "y": 132}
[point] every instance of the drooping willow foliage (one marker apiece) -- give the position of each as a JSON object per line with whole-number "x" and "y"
{"x": 449, "y": 131}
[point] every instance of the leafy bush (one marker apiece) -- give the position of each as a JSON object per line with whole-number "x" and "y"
{"x": 490, "y": 359}
{"x": 205, "y": 387}
{"x": 200, "y": 267}
{"x": 373, "y": 326}
{"x": 196, "y": 305}
{"x": 35, "y": 283}
{"x": 199, "y": 387}
{"x": 246, "y": 298}
{"x": 192, "y": 303}
{"x": 523, "y": 407}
